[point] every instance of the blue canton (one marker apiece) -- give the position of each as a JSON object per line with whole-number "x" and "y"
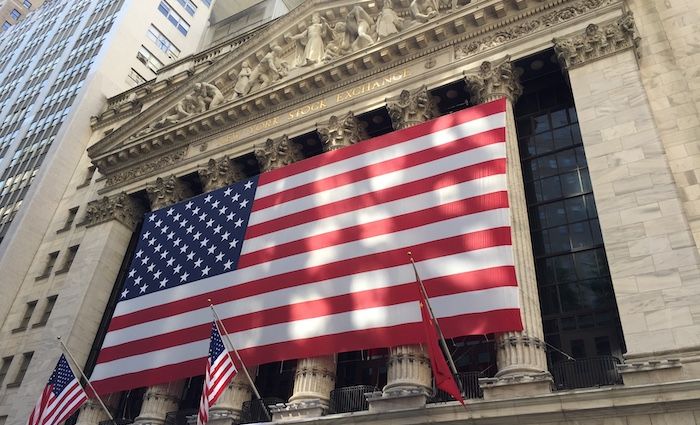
{"x": 216, "y": 346}
{"x": 61, "y": 376}
{"x": 191, "y": 240}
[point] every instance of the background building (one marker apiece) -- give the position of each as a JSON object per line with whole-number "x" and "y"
{"x": 602, "y": 174}
{"x": 12, "y": 11}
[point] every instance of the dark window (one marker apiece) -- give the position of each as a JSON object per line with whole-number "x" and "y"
{"x": 28, "y": 311}
{"x": 70, "y": 256}
{"x": 50, "y": 262}
{"x": 4, "y": 367}
{"x": 15, "y": 14}
{"x": 6, "y": 25}
{"x": 88, "y": 177}
{"x": 26, "y": 359}
{"x": 69, "y": 220}
{"x": 50, "y": 303}
{"x": 27, "y": 4}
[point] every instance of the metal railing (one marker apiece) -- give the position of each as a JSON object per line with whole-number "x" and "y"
{"x": 586, "y": 373}
{"x": 256, "y": 410}
{"x": 468, "y": 381}
{"x": 179, "y": 417}
{"x": 350, "y": 399}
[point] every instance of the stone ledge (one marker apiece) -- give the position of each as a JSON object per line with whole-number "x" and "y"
{"x": 514, "y": 386}
{"x": 650, "y": 372}
{"x": 392, "y": 400}
{"x": 303, "y": 409}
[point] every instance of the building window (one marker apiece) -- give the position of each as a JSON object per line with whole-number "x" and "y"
{"x": 90, "y": 171}
{"x": 27, "y": 4}
{"x": 70, "y": 256}
{"x": 207, "y": 2}
{"x": 6, "y": 25}
{"x": 190, "y": 7}
{"x": 149, "y": 60}
{"x": 28, "y": 311}
{"x": 69, "y": 220}
{"x": 4, "y": 367}
{"x": 26, "y": 359}
{"x": 50, "y": 262}
{"x": 134, "y": 79}
{"x": 162, "y": 42}
{"x": 173, "y": 17}
{"x": 50, "y": 303}
{"x": 15, "y": 14}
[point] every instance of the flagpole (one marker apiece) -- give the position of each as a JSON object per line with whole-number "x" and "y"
{"x": 64, "y": 348}
{"x": 432, "y": 316}
{"x": 233, "y": 348}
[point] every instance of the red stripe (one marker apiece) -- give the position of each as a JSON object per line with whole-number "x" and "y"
{"x": 69, "y": 411}
{"x": 435, "y": 182}
{"x": 397, "y": 257}
{"x": 469, "y": 324}
{"x": 448, "y": 285}
{"x": 380, "y": 227}
{"x": 382, "y": 168}
{"x": 440, "y": 123}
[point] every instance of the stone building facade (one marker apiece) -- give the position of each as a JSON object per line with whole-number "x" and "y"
{"x": 602, "y": 130}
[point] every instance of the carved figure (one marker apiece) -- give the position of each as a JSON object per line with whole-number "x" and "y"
{"x": 239, "y": 90}
{"x": 388, "y": 22}
{"x": 271, "y": 68}
{"x": 358, "y": 30}
{"x": 423, "y": 10}
{"x": 310, "y": 43}
{"x": 209, "y": 96}
{"x": 334, "y": 48}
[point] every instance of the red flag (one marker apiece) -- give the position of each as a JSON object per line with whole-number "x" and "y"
{"x": 444, "y": 379}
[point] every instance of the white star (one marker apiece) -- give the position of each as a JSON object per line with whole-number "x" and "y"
{"x": 204, "y": 242}
{"x": 177, "y": 216}
{"x": 137, "y": 281}
{"x": 189, "y": 229}
{"x": 211, "y": 249}
{"x": 171, "y": 235}
{"x": 143, "y": 288}
{"x": 170, "y": 211}
{"x": 139, "y": 253}
{"x": 145, "y": 260}
{"x": 170, "y": 262}
{"x": 225, "y": 236}
{"x": 158, "y": 223}
{"x": 184, "y": 248}
{"x": 132, "y": 272}
{"x": 227, "y": 192}
{"x": 217, "y": 229}
{"x": 151, "y": 241}
{"x": 146, "y": 235}
{"x": 233, "y": 243}
{"x": 152, "y": 217}
{"x": 190, "y": 256}
{"x": 203, "y": 217}
{"x": 158, "y": 248}
{"x": 222, "y": 210}
{"x": 236, "y": 197}
{"x": 210, "y": 222}
{"x": 177, "y": 269}
{"x": 248, "y": 184}
{"x": 189, "y": 205}
{"x": 220, "y": 257}
{"x": 157, "y": 274}
{"x": 183, "y": 223}
{"x": 151, "y": 267}
{"x": 207, "y": 199}
{"x": 125, "y": 293}
{"x": 228, "y": 264}
{"x": 184, "y": 277}
{"x": 197, "y": 235}
{"x": 164, "y": 229}
{"x": 164, "y": 254}
{"x": 198, "y": 263}
{"x": 244, "y": 203}
{"x": 205, "y": 271}
{"x": 195, "y": 211}
{"x": 177, "y": 241}
{"x": 215, "y": 204}
{"x": 238, "y": 222}
{"x": 230, "y": 216}
{"x": 163, "y": 283}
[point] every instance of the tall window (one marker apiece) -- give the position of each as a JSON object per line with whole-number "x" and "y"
{"x": 28, "y": 311}
{"x": 190, "y": 7}
{"x": 6, "y": 25}
{"x": 50, "y": 303}
{"x": 4, "y": 367}
{"x": 15, "y": 14}
{"x": 91, "y": 169}
{"x": 162, "y": 42}
{"x": 69, "y": 219}
{"x": 27, "y": 4}
{"x": 70, "y": 256}
{"x": 134, "y": 78}
{"x": 26, "y": 359}
{"x": 174, "y": 18}
{"x": 50, "y": 262}
{"x": 578, "y": 305}
{"x": 147, "y": 58}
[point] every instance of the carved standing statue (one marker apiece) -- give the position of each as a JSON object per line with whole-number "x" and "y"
{"x": 334, "y": 48}
{"x": 423, "y": 10}
{"x": 270, "y": 69}
{"x": 388, "y": 22}
{"x": 239, "y": 90}
{"x": 310, "y": 42}
{"x": 358, "y": 30}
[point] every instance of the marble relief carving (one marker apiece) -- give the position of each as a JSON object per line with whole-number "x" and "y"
{"x": 276, "y": 153}
{"x": 341, "y": 131}
{"x": 120, "y": 207}
{"x": 310, "y": 43}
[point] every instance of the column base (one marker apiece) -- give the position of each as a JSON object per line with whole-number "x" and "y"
{"x": 396, "y": 399}
{"x": 302, "y": 409}
{"x": 516, "y": 386}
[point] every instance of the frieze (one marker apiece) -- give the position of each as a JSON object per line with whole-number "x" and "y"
{"x": 597, "y": 42}
{"x": 154, "y": 165}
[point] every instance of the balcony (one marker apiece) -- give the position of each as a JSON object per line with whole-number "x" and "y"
{"x": 255, "y": 410}
{"x": 469, "y": 384}
{"x": 350, "y": 399}
{"x": 586, "y": 373}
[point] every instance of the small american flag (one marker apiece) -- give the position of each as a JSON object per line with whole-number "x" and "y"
{"x": 220, "y": 371}
{"x": 62, "y": 396}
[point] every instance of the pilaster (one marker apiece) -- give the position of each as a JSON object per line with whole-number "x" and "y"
{"x": 521, "y": 358}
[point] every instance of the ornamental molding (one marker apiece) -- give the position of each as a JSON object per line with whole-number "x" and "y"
{"x": 219, "y": 173}
{"x": 411, "y": 107}
{"x": 167, "y": 191}
{"x": 120, "y": 207}
{"x": 140, "y": 139}
{"x": 493, "y": 80}
{"x": 277, "y": 153}
{"x": 341, "y": 131}
{"x": 597, "y": 42}
{"x": 149, "y": 167}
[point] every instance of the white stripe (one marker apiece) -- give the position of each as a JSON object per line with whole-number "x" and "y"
{"x": 372, "y": 245}
{"x": 62, "y": 403}
{"x": 376, "y": 279}
{"x": 479, "y": 301}
{"x": 362, "y": 319}
{"x": 378, "y": 212}
{"x": 380, "y": 182}
{"x": 437, "y": 138}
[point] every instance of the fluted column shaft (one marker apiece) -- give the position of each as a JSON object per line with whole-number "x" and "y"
{"x": 517, "y": 352}
{"x": 91, "y": 413}
{"x": 409, "y": 366}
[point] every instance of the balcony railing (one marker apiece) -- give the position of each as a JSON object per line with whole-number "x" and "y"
{"x": 469, "y": 382}
{"x": 179, "y": 417}
{"x": 350, "y": 399}
{"x": 255, "y": 410}
{"x": 586, "y": 373}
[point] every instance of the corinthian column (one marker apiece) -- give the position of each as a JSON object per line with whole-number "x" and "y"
{"x": 409, "y": 379}
{"x": 521, "y": 356}
{"x": 91, "y": 413}
{"x": 163, "y": 398}
{"x": 216, "y": 174}
{"x": 340, "y": 132}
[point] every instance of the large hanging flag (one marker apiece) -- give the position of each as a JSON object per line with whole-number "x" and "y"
{"x": 62, "y": 396}
{"x": 219, "y": 372}
{"x": 310, "y": 259}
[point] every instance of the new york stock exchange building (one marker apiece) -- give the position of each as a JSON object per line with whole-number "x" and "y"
{"x": 600, "y": 101}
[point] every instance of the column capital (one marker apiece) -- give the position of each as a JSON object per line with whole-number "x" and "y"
{"x": 276, "y": 153}
{"x": 219, "y": 173}
{"x": 494, "y": 80}
{"x": 120, "y": 207}
{"x": 341, "y": 131}
{"x": 598, "y": 41}
{"x": 411, "y": 107}
{"x": 167, "y": 191}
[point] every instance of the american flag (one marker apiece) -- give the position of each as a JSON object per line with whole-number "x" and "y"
{"x": 310, "y": 259}
{"x": 220, "y": 371}
{"x": 62, "y": 396}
